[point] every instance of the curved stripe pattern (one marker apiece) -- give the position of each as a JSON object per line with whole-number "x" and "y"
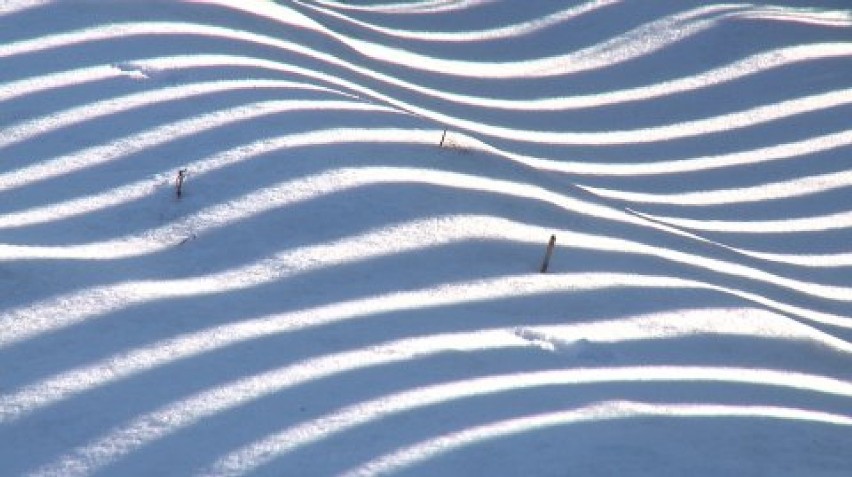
{"x": 349, "y": 283}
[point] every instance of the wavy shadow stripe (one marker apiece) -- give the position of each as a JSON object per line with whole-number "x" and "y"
{"x": 98, "y": 457}
{"x": 539, "y": 21}
{"x": 815, "y": 16}
{"x": 487, "y": 408}
{"x": 797, "y": 247}
{"x": 755, "y": 65}
{"x": 28, "y": 130}
{"x": 112, "y": 150}
{"x": 113, "y": 365}
{"x": 367, "y": 313}
{"x": 213, "y": 215}
{"x": 106, "y": 449}
{"x": 822, "y": 211}
{"x": 403, "y": 8}
{"x": 170, "y": 351}
{"x": 539, "y": 136}
{"x": 93, "y": 37}
{"x": 806, "y": 205}
{"x": 621, "y": 412}
{"x": 133, "y": 291}
{"x": 763, "y": 55}
{"x": 811, "y": 17}
{"x": 378, "y": 14}
{"x": 335, "y": 178}
{"x": 803, "y": 178}
{"x": 357, "y": 314}
{"x": 654, "y": 36}
{"x": 12, "y": 7}
{"x": 616, "y": 34}
{"x": 167, "y": 147}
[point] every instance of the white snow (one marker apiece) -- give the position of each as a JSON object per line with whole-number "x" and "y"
{"x": 348, "y": 284}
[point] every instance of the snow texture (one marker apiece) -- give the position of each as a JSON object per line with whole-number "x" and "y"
{"x": 349, "y": 281}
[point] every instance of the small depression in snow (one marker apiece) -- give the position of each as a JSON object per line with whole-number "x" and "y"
{"x": 581, "y": 349}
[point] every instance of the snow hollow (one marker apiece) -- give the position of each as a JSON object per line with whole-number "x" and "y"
{"x": 305, "y": 238}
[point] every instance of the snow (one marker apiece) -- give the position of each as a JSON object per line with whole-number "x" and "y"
{"x": 349, "y": 283}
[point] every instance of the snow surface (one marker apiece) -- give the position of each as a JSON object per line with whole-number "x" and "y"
{"x": 349, "y": 283}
